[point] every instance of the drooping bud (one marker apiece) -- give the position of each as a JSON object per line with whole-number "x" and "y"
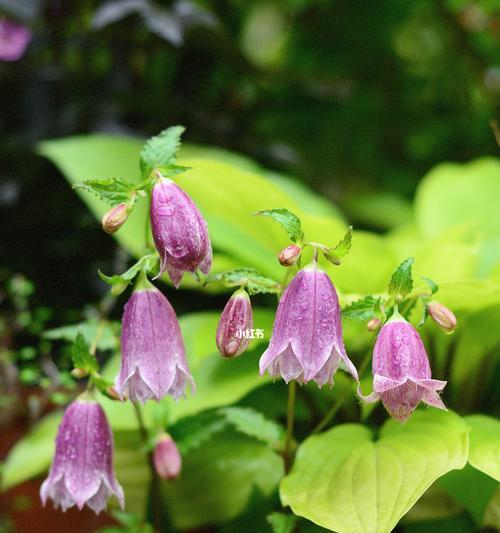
{"x": 442, "y": 316}
{"x": 306, "y": 342}
{"x": 166, "y": 458}
{"x": 289, "y": 255}
{"x": 153, "y": 356}
{"x": 401, "y": 371}
{"x": 14, "y": 38}
{"x": 82, "y": 468}
{"x": 179, "y": 231}
{"x": 114, "y": 219}
{"x": 373, "y": 324}
{"x": 232, "y": 339}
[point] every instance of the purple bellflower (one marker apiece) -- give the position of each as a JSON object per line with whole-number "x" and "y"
{"x": 179, "y": 231}
{"x": 235, "y": 319}
{"x": 14, "y": 38}
{"x": 153, "y": 356}
{"x": 401, "y": 371}
{"x": 166, "y": 458}
{"x": 82, "y": 469}
{"x": 307, "y": 343}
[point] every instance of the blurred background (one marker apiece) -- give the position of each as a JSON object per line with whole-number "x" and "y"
{"x": 356, "y": 99}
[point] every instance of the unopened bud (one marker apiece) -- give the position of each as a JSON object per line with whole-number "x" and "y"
{"x": 373, "y": 324}
{"x": 79, "y": 373}
{"x": 289, "y": 255}
{"x": 166, "y": 458}
{"x": 442, "y": 316}
{"x": 114, "y": 219}
{"x": 111, "y": 393}
{"x": 235, "y": 319}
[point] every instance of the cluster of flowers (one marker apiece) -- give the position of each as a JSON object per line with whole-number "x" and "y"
{"x": 306, "y": 345}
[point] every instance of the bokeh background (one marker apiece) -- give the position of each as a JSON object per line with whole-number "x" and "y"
{"x": 356, "y": 99}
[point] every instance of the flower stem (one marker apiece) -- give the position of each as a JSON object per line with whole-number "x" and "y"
{"x": 343, "y": 397}
{"x": 155, "y": 509}
{"x": 290, "y": 419}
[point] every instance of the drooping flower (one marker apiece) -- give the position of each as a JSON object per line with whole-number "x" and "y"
{"x": 289, "y": 255}
{"x": 232, "y": 337}
{"x": 153, "y": 356}
{"x": 401, "y": 371}
{"x": 82, "y": 468}
{"x": 180, "y": 232}
{"x": 14, "y": 38}
{"x": 442, "y": 316}
{"x": 307, "y": 343}
{"x": 166, "y": 458}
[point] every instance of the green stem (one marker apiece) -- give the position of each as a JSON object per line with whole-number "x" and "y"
{"x": 343, "y": 397}
{"x": 290, "y": 419}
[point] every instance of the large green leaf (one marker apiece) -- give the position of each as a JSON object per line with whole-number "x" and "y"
{"x": 463, "y": 195}
{"x": 485, "y": 444}
{"x": 31, "y": 455}
{"x": 228, "y": 193}
{"x": 218, "y": 479}
{"x": 344, "y": 481}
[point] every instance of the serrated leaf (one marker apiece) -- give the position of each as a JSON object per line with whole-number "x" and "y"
{"x": 110, "y": 190}
{"x": 432, "y": 284}
{"x": 250, "y": 278}
{"x": 364, "y": 309}
{"x": 191, "y": 432}
{"x": 160, "y": 151}
{"x": 81, "y": 356}
{"x": 149, "y": 264}
{"x": 107, "y": 339}
{"x": 254, "y": 424}
{"x": 282, "y": 523}
{"x": 347, "y": 482}
{"x": 344, "y": 245}
{"x": 401, "y": 282}
{"x": 289, "y": 221}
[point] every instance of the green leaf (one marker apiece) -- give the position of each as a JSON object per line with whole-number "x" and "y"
{"x": 485, "y": 444}
{"x": 218, "y": 479}
{"x": 254, "y": 424}
{"x": 341, "y": 249}
{"x": 192, "y": 431}
{"x": 282, "y": 523}
{"x": 31, "y": 455}
{"x": 344, "y": 481}
{"x": 161, "y": 149}
{"x": 148, "y": 264}
{"x": 108, "y": 340}
{"x": 250, "y": 278}
{"x": 401, "y": 282}
{"x": 289, "y": 221}
{"x": 82, "y": 358}
{"x": 432, "y": 284}
{"x": 110, "y": 190}
{"x": 364, "y": 309}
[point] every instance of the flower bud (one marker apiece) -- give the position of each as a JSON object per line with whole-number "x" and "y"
{"x": 79, "y": 373}
{"x": 373, "y": 324}
{"x": 234, "y": 320}
{"x": 14, "y": 38}
{"x": 289, "y": 255}
{"x": 114, "y": 219}
{"x": 166, "y": 458}
{"x": 442, "y": 316}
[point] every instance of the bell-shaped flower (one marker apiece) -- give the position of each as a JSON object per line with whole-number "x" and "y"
{"x": 82, "y": 468}
{"x": 153, "y": 360}
{"x": 307, "y": 343}
{"x": 14, "y": 38}
{"x": 401, "y": 371}
{"x": 179, "y": 231}
{"x": 236, "y": 319}
{"x": 166, "y": 458}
